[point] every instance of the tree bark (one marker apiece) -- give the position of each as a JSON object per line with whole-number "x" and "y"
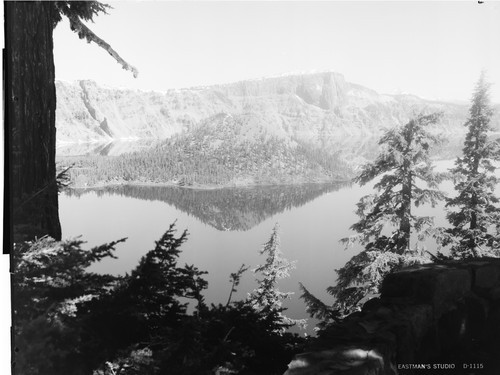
{"x": 405, "y": 212}
{"x": 30, "y": 119}
{"x": 406, "y": 193}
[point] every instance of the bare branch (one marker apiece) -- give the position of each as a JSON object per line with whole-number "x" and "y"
{"x": 83, "y": 31}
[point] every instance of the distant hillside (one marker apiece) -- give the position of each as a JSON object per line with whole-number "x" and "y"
{"x": 224, "y": 151}
{"x": 292, "y": 129}
{"x": 314, "y": 108}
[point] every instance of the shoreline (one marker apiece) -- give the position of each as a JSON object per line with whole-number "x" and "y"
{"x": 203, "y": 187}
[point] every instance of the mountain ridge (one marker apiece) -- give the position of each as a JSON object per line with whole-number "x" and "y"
{"x": 312, "y": 107}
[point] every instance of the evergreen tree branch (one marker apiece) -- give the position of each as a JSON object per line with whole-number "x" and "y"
{"x": 317, "y": 308}
{"x": 83, "y": 31}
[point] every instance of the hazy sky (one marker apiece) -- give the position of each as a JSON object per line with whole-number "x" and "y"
{"x": 432, "y": 49}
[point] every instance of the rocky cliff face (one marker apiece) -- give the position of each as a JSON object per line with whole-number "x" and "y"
{"x": 314, "y": 108}
{"x": 428, "y": 319}
{"x": 87, "y": 112}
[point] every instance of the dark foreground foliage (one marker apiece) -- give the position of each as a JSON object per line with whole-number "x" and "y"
{"x": 152, "y": 321}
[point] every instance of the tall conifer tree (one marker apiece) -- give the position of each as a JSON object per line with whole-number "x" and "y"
{"x": 267, "y": 297}
{"x": 386, "y": 217}
{"x": 275, "y": 268}
{"x": 476, "y": 218}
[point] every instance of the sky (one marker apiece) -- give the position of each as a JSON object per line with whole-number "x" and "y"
{"x": 435, "y": 50}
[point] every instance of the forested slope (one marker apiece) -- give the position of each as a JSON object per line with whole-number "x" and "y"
{"x": 225, "y": 151}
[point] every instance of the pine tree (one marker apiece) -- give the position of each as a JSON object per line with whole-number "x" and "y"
{"x": 149, "y": 306}
{"x": 476, "y": 220}
{"x": 157, "y": 283}
{"x": 276, "y": 267}
{"x": 401, "y": 168}
{"x": 50, "y": 284}
{"x": 267, "y": 296}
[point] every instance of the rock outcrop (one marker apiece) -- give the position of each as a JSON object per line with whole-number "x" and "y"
{"x": 435, "y": 317}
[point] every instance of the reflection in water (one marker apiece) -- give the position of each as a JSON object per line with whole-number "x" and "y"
{"x": 227, "y": 209}
{"x": 235, "y": 226}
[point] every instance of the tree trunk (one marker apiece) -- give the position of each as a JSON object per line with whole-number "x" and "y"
{"x": 403, "y": 243}
{"x": 30, "y": 112}
{"x": 474, "y": 199}
{"x": 405, "y": 213}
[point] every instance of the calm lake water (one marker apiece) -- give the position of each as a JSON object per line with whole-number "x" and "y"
{"x": 227, "y": 227}
{"x": 222, "y": 236}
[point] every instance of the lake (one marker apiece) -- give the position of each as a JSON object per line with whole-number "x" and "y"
{"x": 227, "y": 227}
